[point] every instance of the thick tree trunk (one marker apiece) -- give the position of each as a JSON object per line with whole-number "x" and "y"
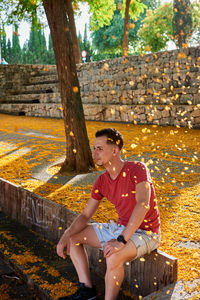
{"x": 126, "y": 28}
{"x": 78, "y": 153}
{"x": 72, "y": 26}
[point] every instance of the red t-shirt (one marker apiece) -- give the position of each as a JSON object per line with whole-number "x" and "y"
{"x": 121, "y": 192}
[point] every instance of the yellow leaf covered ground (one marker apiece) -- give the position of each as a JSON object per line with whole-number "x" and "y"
{"x": 171, "y": 153}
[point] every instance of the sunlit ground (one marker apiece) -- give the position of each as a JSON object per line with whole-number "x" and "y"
{"x": 172, "y": 154}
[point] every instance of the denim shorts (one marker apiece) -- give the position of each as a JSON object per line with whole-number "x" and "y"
{"x": 144, "y": 241}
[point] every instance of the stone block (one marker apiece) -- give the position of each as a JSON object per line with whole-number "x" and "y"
{"x": 196, "y": 113}
{"x": 173, "y": 112}
{"x": 165, "y": 113}
{"x": 157, "y": 115}
{"x": 142, "y": 117}
{"x": 197, "y": 121}
{"x": 139, "y": 109}
{"x": 186, "y": 99}
{"x": 197, "y": 98}
{"x": 165, "y": 121}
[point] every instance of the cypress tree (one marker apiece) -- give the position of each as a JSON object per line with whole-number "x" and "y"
{"x": 24, "y": 58}
{"x": 9, "y": 52}
{"x": 43, "y": 47}
{"x": 51, "y": 56}
{"x": 87, "y": 45}
{"x": 36, "y": 52}
{"x": 16, "y": 49}
{"x": 80, "y": 41}
{"x": 32, "y": 46}
{"x": 3, "y": 44}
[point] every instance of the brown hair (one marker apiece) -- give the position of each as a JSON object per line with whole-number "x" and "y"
{"x": 113, "y": 136}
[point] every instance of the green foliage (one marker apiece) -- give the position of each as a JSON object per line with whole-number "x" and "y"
{"x": 107, "y": 41}
{"x": 157, "y": 28}
{"x": 109, "y": 38}
{"x": 34, "y": 50}
{"x": 102, "y": 13}
{"x": 135, "y": 10}
{"x": 14, "y": 11}
{"x": 17, "y": 10}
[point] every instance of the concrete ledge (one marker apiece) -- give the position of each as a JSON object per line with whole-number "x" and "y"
{"x": 45, "y": 217}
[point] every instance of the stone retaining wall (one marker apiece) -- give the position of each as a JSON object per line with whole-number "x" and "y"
{"x": 160, "y": 88}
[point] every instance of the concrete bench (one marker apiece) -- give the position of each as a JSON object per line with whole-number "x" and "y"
{"x": 142, "y": 276}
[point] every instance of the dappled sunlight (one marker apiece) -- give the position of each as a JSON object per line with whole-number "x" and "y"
{"x": 9, "y": 158}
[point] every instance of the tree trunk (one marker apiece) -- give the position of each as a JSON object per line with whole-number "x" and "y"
{"x": 78, "y": 153}
{"x": 182, "y": 21}
{"x": 72, "y": 26}
{"x": 126, "y": 28}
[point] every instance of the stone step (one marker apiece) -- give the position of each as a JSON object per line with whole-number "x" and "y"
{"x": 39, "y": 88}
{"x": 51, "y": 110}
{"x": 33, "y": 98}
{"x": 107, "y": 71}
{"x": 40, "y": 70}
{"x": 133, "y": 82}
{"x": 132, "y": 97}
{"x": 49, "y": 83}
{"x": 108, "y": 112}
{"x": 44, "y": 79}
